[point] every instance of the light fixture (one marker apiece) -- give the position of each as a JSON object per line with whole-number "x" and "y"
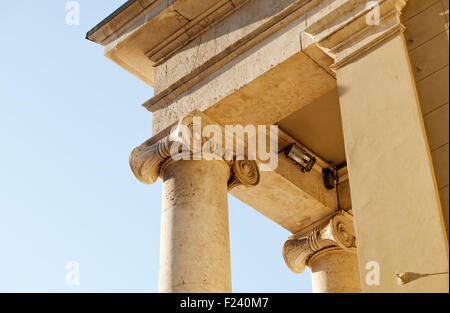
{"x": 299, "y": 156}
{"x": 329, "y": 178}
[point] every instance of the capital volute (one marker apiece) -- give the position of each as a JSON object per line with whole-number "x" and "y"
{"x": 337, "y": 232}
{"x": 186, "y": 142}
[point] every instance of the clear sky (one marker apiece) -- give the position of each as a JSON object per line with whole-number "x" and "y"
{"x": 69, "y": 118}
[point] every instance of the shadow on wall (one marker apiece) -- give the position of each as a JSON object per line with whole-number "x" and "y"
{"x": 407, "y": 277}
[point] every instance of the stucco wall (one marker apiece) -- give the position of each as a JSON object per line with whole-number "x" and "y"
{"x": 427, "y": 37}
{"x": 396, "y": 208}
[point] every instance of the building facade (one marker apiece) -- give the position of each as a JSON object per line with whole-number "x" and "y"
{"x": 349, "y": 98}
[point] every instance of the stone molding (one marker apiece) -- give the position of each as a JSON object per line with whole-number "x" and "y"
{"x": 143, "y": 33}
{"x": 193, "y": 29}
{"x": 337, "y": 232}
{"x": 133, "y": 14}
{"x": 341, "y": 29}
{"x": 337, "y": 27}
{"x": 147, "y": 159}
{"x": 298, "y": 9}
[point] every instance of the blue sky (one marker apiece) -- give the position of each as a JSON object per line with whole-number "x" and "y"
{"x": 69, "y": 118}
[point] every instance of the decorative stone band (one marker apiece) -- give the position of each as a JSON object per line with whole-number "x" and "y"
{"x": 345, "y": 29}
{"x": 193, "y": 28}
{"x": 147, "y": 159}
{"x": 338, "y": 232}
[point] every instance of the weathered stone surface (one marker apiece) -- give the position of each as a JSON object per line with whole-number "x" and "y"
{"x": 195, "y": 244}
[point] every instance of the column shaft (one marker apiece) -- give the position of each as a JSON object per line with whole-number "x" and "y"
{"x": 335, "y": 270}
{"x": 195, "y": 250}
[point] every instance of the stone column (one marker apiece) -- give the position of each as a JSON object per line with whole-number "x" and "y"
{"x": 330, "y": 254}
{"x": 335, "y": 270}
{"x": 195, "y": 244}
{"x": 398, "y": 218}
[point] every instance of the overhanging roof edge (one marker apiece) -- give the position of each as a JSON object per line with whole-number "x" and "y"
{"x": 109, "y": 18}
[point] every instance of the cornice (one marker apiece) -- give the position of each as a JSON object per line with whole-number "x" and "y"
{"x": 193, "y": 29}
{"x": 278, "y": 21}
{"x": 118, "y": 22}
{"x": 143, "y": 33}
{"x": 337, "y": 27}
{"x": 346, "y": 29}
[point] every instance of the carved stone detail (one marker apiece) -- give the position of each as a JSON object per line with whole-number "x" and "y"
{"x": 338, "y": 232}
{"x": 147, "y": 159}
{"x": 244, "y": 172}
{"x": 345, "y": 29}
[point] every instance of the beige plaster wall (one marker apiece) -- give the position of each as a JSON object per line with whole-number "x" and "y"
{"x": 427, "y": 37}
{"x": 398, "y": 218}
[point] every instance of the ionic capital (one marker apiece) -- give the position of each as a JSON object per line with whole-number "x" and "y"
{"x": 345, "y": 29}
{"x": 185, "y": 142}
{"x": 338, "y": 232}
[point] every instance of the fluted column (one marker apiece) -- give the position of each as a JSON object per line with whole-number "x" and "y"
{"x": 195, "y": 244}
{"x": 330, "y": 254}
